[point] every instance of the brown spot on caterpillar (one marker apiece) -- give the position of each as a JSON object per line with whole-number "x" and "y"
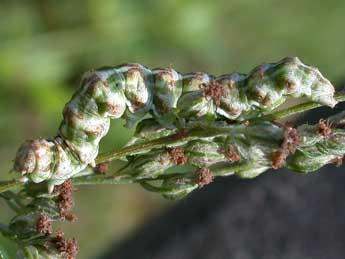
{"x": 177, "y": 155}
{"x": 171, "y": 83}
{"x": 258, "y": 95}
{"x": 204, "y": 177}
{"x": 72, "y": 117}
{"x": 68, "y": 248}
{"x": 134, "y": 68}
{"x": 166, "y": 75}
{"x": 44, "y": 225}
{"x": 213, "y": 90}
{"x": 289, "y": 85}
{"x": 93, "y": 83}
{"x": 231, "y": 84}
{"x": 95, "y": 131}
{"x": 291, "y": 140}
{"x": 101, "y": 168}
{"x": 91, "y": 79}
{"x": 337, "y": 161}
{"x": 267, "y": 101}
{"x": 112, "y": 108}
{"x": 324, "y": 128}
{"x": 105, "y": 83}
{"x": 65, "y": 199}
{"x": 231, "y": 154}
{"x": 138, "y": 102}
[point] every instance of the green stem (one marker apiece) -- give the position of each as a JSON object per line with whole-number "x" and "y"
{"x": 156, "y": 143}
{"x": 12, "y": 201}
{"x": 125, "y": 179}
{"x": 8, "y": 185}
{"x": 101, "y": 179}
{"x": 4, "y": 230}
{"x": 295, "y": 109}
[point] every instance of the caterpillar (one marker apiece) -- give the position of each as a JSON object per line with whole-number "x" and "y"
{"x": 133, "y": 91}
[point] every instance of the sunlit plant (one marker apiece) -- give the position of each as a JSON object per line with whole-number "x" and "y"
{"x": 190, "y": 128}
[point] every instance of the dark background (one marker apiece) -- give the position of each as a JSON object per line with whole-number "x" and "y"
{"x": 45, "y": 46}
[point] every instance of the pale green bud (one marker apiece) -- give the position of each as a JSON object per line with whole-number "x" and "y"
{"x": 203, "y": 153}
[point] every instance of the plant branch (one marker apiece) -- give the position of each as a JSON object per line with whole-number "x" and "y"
{"x": 164, "y": 141}
{"x": 9, "y": 185}
{"x": 296, "y": 109}
{"x": 156, "y": 143}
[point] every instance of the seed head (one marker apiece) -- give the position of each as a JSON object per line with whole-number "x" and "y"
{"x": 204, "y": 177}
{"x": 177, "y": 155}
{"x": 44, "y": 225}
{"x": 324, "y": 128}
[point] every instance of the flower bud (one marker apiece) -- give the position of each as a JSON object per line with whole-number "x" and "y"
{"x": 203, "y": 153}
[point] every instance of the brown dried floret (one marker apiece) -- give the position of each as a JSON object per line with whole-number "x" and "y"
{"x": 101, "y": 168}
{"x": 278, "y": 159}
{"x": 231, "y": 154}
{"x": 204, "y": 176}
{"x": 70, "y": 217}
{"x": 324, "y": 128}
{"x": 213, "y": 90}
{"x": 44, "y": 225}
{"x": 65, "y": 198}
{"x": 68, "y": 248}
{"x": 291, "y": 140}
{"x": 177, "y": 155}
{"x": 338, "y": 161}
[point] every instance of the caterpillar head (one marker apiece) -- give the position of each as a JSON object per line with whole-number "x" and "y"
{"x": 34, "y": 159}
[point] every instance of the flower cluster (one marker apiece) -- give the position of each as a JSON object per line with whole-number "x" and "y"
{"x": 190, "y": 129}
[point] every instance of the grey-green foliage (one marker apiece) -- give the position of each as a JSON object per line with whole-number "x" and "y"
{"x": 198, "y": 123}
{"x": 23, "y": 230}
{"x": 133, "y": 91}
{"x": 255, "y": 145}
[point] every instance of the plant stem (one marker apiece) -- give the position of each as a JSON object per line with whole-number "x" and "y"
{"x": 8, "y": 185}
{"x": 124, "y": 179}
{"x": 156, "y": 143}
{"x": 168, "y": 140}
{"x": 295, "y": 109}
{"x": 4, "y": 230}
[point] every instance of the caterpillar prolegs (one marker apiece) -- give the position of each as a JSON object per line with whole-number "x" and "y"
{"x": 133, "y": 91}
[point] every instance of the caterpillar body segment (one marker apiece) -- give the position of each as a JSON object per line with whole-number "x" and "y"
{"x": 133, "y": 92}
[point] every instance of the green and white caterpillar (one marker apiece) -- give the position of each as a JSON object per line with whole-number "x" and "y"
{"x": 133, "y": 91}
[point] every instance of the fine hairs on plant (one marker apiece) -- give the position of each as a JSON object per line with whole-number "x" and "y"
{"x": 190, "y": 128}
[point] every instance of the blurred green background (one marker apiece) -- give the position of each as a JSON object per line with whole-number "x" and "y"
{"x": 45, "y": 46}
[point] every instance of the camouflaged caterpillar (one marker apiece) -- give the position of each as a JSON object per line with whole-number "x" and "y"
{"x": 132, "y": 91}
